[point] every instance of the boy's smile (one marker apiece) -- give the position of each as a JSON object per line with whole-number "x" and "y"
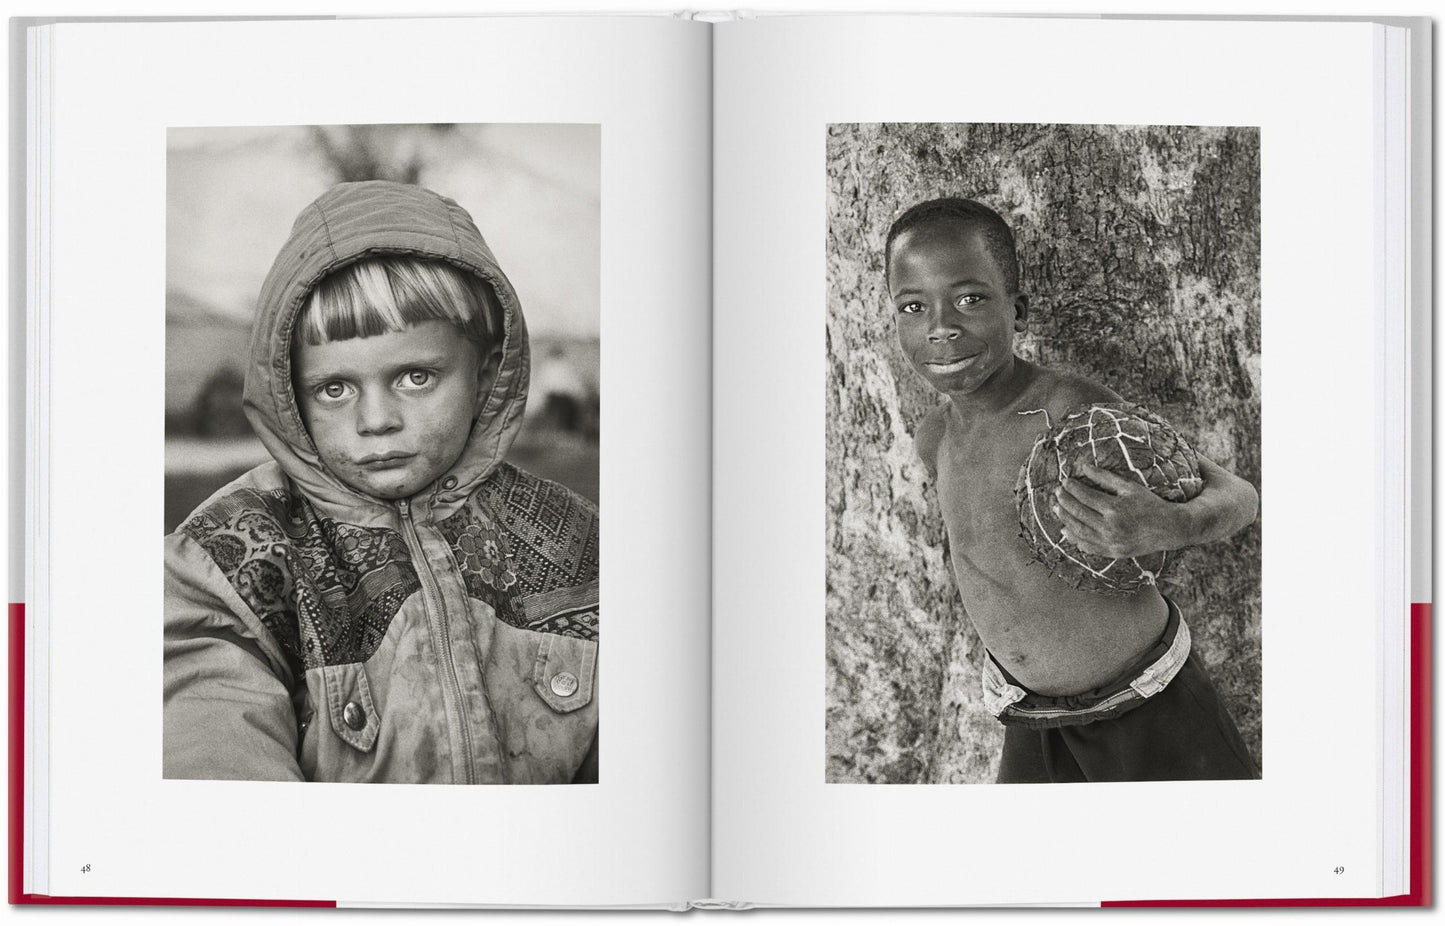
{"x": 955, "y": 314}
{"x": 390, "y": 413}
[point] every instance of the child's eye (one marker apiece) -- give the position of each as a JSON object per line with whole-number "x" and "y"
{"x": 910, "y": 308}
{"x": 968, "y": 299}
{"x": 417, "y": 378}
{"x": 332, "y": 390}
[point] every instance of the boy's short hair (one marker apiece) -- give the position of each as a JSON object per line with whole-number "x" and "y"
{"x": 381, "y": 294}
{"x": 997, "y": 236}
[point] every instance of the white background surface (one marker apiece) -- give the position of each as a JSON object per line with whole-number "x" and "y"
{"x": 385, "y": 8}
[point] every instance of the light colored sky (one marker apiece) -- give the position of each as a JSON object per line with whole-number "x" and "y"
{"x": 533, "y": 190}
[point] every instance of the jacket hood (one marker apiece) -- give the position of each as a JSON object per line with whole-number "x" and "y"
{"x": 348, "y": 223}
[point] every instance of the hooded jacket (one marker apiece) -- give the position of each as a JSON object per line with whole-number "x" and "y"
{"x": 314, "y": 632}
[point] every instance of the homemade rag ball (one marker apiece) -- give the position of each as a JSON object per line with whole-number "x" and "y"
{"x": 1128, "y": 440}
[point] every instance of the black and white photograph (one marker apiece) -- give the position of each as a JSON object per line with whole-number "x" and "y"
{"x": 1043, "y": 453}
{"x": 382, "y": 416}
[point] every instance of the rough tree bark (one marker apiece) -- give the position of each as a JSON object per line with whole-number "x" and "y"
{"x": 1140, "y": 250}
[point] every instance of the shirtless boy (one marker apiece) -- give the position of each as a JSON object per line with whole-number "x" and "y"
{"x": 1090, "y": 687}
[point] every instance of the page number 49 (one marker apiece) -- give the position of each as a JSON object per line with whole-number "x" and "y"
{"x": 1339, "y": 869}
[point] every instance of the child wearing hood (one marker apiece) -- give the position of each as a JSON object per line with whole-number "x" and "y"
{"x": 387, "y": 599}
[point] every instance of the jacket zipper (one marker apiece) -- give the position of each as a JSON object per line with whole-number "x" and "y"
{"x": 432, "y": 597}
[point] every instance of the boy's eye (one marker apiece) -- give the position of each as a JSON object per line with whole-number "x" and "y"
{"x": 968, "y": 299}
{"x": 332, "y": 390}
{"x": 910, "y": 308}
{"x": 417, "y": 378}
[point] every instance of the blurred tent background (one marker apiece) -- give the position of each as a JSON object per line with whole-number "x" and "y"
{"x": 232, "y": 194}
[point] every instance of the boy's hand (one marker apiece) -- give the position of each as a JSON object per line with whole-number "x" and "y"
{"x": 1124, "y": 520}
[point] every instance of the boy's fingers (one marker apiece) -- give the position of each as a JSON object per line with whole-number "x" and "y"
{"x": 1083, "y": 538}
{"x": 1084, "y": 494}
{"x": 1069, "y": 508}
{"x": 1113, "y": 482}
{"x": 1074, "y": 525}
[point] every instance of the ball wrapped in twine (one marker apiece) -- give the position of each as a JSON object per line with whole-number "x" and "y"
{"x": 1124, "y": 439}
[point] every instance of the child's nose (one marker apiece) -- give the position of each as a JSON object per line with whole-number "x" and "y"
{"x": 943, "y": 327}
{"x": 377, "y": 414}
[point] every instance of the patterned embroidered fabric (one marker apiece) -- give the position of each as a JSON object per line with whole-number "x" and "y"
{"x": 529, "y": 548}
{"x": 327, "y": 591}
{"x": 580, "y": 623}
{"x": 484, "y": 560}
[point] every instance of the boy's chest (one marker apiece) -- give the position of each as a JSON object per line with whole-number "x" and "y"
{"x": 978, "y": 466}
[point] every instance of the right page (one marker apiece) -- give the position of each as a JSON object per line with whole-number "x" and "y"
{"x": 977, "y": 282}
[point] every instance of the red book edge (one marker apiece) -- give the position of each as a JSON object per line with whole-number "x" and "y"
{"x": 17, "y": 807}
{"x": 1420, "y": 817}
{"x": 1420, "y": 810}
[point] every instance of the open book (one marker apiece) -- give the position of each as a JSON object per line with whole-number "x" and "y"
{"x": 742, "y": 364}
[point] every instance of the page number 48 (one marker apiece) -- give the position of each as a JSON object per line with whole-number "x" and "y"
{"x": 85, "y": 869}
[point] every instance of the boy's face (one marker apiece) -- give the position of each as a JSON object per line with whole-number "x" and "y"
{"x": 390, "y": 413}
{"x": 955, "y": 314}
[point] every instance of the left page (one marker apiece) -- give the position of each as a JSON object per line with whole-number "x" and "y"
{"x": 390, "y": 533}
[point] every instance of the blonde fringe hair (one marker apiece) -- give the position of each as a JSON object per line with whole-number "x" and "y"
{"x": 381, "y": 294}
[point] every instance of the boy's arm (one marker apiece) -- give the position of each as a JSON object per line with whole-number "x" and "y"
{"x": 1129, "y": 520}
{"x": 926, "y": 440}
{"x": 228, "y": 712}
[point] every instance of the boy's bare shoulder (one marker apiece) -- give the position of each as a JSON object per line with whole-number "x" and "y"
{"x": 1061, "y": 391}
{"x": 928, "y": 435}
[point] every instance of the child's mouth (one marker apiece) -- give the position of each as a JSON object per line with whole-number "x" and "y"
{"x": 385, "y": 460}
{"x": 951, "y": 366}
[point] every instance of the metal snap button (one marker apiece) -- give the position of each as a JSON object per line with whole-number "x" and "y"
{"x": 564, "y": 684}
{"x": 354, "y": 716}
{"x": 449, "y": 483}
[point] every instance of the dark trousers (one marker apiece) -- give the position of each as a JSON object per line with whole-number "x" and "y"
{"x": 1183, "y": 732}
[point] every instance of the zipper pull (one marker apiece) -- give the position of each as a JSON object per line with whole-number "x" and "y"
{"x": 404, "y": 507}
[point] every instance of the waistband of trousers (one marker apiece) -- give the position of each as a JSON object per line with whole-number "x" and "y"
{"x": 1014, "y": 704}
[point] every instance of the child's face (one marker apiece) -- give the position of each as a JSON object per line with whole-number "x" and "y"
{"x": 390, "y": 413}
{"x": 955, "y": 314}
